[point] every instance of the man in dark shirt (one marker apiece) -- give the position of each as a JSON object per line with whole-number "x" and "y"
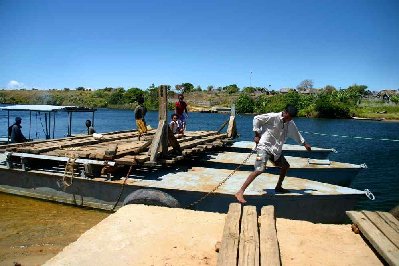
{"x": 139, "y": 114}
{"x": 16, "y": 133}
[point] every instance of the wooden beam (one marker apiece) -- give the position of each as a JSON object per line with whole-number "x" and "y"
{"x": 248, "y": 252}
{"x": 228, "y": 253}
{"x": 156, "y": 142}
{"x": 163, "y": 102}
{"x": 269, "y": 248}
{"x": 379, "y": 241}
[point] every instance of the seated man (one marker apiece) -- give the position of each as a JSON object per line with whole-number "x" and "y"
{"x": 16, "y": 133}
{"x": 176, "y": 126}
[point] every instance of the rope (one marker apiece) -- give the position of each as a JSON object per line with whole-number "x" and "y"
{"x": 221, "y": 183}
{"x": 344, "y": 136}
{"x": 122, "y": 188}
{"x": 69, "y": 167}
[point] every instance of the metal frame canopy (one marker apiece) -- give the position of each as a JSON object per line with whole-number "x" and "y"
{"x": 47, "y": 110}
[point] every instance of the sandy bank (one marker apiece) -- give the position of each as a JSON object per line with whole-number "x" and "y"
{"x": 142, "y": 235}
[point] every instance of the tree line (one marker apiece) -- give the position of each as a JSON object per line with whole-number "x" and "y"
{"x": 328, "y": 102}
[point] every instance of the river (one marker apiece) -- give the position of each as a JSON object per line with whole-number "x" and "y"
{"x": 34, "y": 223}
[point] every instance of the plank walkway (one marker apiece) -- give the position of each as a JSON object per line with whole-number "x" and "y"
{"x": 382, "y": 230}
{"x": 249, "y": 240}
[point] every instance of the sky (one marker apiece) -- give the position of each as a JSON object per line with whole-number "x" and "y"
{"x": 95, "y": 44}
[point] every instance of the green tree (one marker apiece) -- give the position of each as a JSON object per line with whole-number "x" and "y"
{"x": 116, "y": 96}
{"x": 245, "y": 104}
{"x": 248, "y": 90}
{"x": 187, "y": 87}
{"x": 395, "y": 99}
{"x": 230, "y": 89}
{"x": 132, "y": 94}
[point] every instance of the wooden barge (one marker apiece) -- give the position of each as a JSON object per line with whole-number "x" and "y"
{"x": 196, "y": 171}
{"x": 85, "y": 171}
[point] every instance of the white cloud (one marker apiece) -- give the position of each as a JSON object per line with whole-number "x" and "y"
{"x": 13, "y": 84}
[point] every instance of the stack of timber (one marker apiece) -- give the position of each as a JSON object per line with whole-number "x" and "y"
{"x": 249, "y": 240}
{"x": 121, "y": 148}
{"x": 382, "y": 231}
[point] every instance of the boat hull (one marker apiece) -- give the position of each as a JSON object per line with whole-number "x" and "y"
{"x": 104, "y": 194}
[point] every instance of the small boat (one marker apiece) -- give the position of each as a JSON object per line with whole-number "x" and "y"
{"x": 368, "y": 118}
{"x": 321, "y": 170}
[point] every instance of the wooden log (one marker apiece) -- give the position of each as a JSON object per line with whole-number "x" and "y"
{"x": 248, "y": 251}
{"x": 269, "y": 247}
{"x": 379, "y": 241}
{"x": 232, "y": 129}
{"x": 228, "y": 253}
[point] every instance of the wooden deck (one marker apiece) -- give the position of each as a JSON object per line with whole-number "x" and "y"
{"x": 382, "y": 231}
{"x": 249, "y": 240}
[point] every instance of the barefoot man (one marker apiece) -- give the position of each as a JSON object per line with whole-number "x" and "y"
{"x": 271, "y": 131}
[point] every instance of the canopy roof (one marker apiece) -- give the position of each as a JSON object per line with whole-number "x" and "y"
{"x": 46, "y": 108}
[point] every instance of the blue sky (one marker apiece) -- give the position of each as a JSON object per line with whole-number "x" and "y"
{"x": 58, "y": 44}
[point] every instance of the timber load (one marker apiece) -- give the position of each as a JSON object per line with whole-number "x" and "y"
{"x": 123, "y": 148}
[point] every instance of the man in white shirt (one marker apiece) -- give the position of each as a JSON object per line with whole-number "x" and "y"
{"x": 271, "y": 131}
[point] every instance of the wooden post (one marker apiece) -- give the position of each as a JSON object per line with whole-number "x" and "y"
{"x": 163, "y": 115}
{"x": 160, "y": 141}
{"x": 163, "y": 102}
{"x": 232, "y": 129}
{"x": 269, "y": 249}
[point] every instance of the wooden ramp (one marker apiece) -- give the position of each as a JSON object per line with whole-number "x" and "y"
{"x": 382, "y": 230}
{"x": 249, "y": 239}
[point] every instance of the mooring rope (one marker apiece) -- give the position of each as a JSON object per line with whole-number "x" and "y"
{"x": 122, "y": 188}
{"x": 344, "y": 136}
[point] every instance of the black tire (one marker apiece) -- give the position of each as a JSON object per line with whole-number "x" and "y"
{"x": 151, "y": 197}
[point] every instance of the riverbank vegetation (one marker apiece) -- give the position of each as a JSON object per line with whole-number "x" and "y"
{"x": 327, "y": 102}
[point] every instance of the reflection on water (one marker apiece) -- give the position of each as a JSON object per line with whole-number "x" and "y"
{"x": 40, "y": 229}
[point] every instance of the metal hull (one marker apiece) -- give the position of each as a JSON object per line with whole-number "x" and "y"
{"x": 314, "y": 202}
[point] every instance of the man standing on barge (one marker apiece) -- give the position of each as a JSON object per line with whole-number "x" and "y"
{"x": 271, "y": 131}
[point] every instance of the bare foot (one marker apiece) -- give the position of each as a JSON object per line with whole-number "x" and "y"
{"x": 281, "y": 190}
{"x": 240, "y": 197}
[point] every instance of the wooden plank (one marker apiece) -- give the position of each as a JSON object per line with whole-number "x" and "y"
{"x": 228, "y": 253}
{"x": 383, "y": 226}
{"x": 379, "y": 241}
{"x": 248, "y": 251}
{"x": 390, "y": 219}
{"x": 269, "y": 247}
{"x": 153, "y": 152}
